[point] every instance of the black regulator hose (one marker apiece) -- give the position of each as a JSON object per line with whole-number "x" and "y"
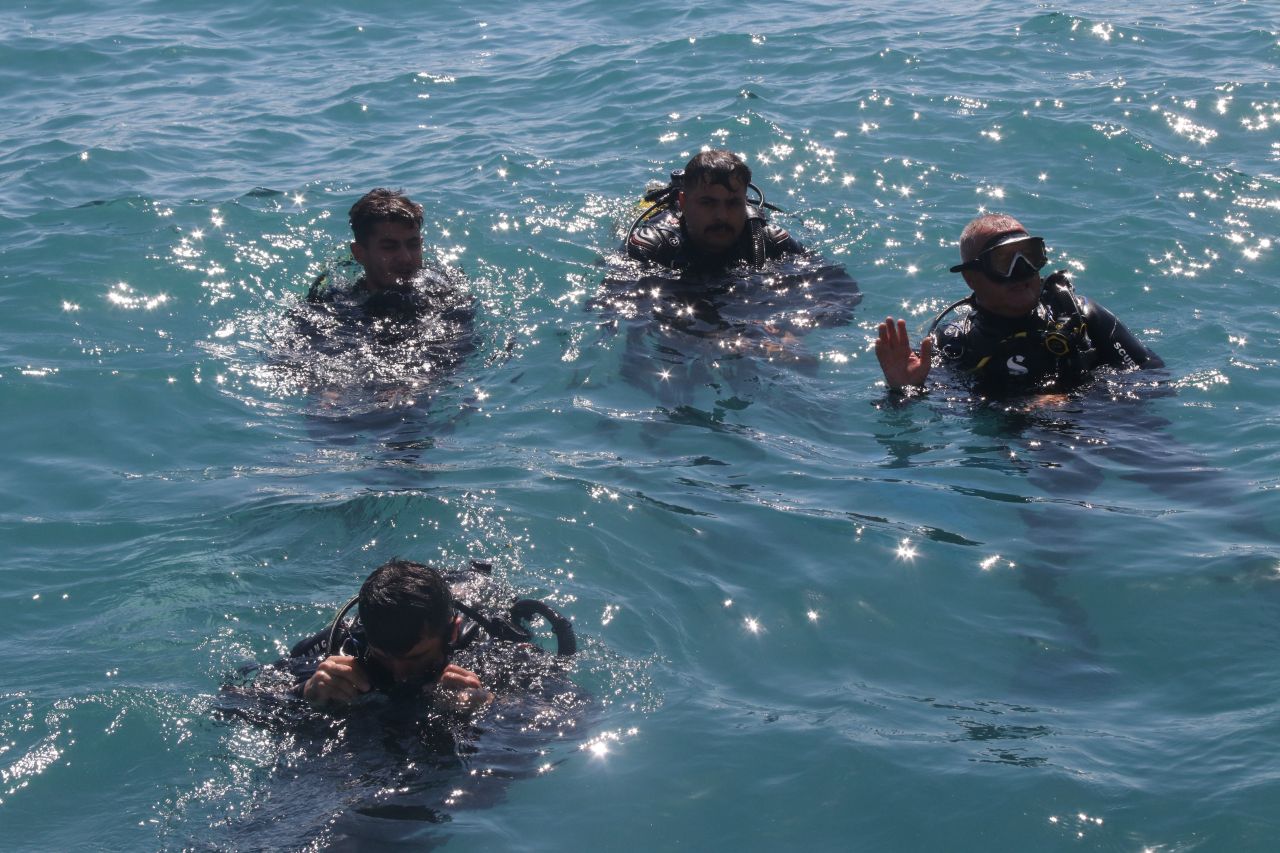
{"x": 511, "y": 629}
{"x": 335, "y": 627}
{"x": 566, "y": 640}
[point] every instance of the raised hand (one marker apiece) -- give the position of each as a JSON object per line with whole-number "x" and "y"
{"x": 901, "y": 365}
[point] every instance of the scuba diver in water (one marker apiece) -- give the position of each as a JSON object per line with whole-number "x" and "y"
{"x": 397, "y": 294}
{"x": 1022, "y": 334}
{"x": 703, "y": 221}
{"x": 393, "y": 333}
{"x": 420, "y": 699}
{"x": 722, "y": 297}
{"x": 408, "y": 628}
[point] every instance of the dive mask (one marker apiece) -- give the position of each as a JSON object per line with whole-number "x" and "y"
{"x": 1009, "y": 257}
{"x": 380, "y": 675}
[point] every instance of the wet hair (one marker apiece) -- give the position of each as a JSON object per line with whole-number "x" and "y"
{"x": 979, "y": 233}
{"x": 716, "y": 167}
{"x": 401, "y": 602}
{"x": 382, "y": 205}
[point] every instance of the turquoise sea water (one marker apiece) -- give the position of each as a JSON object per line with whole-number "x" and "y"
{"x": 811, "y": 619}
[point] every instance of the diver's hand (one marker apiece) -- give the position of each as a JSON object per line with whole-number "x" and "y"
{"x": 1047, "y": 401}
{"x": 901, "y": 366}
{"x": 337, "y": 680}
{"x": 455, "y": 677}
{"x": 461, "y": 690}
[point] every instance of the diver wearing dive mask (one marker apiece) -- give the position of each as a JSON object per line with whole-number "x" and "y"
{"x": 403, "y": 641}
{"x": 1009, "y": 257}
{"x": 1022, "y": 334}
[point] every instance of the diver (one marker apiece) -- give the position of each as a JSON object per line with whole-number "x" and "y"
{"x": 408, "y": 627}
{"x": 397, "y": 296}
{"x": 422, "y": 696}
{"x": 1021, "y": 334}
{"x": 389, "y": 337}
{"x": 722, "y": 298}
{"x": 703, "y": 221}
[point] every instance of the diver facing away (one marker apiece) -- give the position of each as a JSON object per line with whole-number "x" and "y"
{"x": 1022, "y": 334}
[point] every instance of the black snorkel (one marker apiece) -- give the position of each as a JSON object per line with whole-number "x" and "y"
{"x": 333, "y": 647}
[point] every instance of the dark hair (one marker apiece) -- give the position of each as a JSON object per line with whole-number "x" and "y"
{"x": 716, "y": 167}
{"x": 382, "y": 205}
{"x": 400, "y": 602}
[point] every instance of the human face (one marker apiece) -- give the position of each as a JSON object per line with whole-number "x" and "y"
{"x": 391, "y": 256}
{"x": 1008, "y": 298}
{"x": 421, "y": 664}
{"x": 714, "y": 215}
{"x": 1015, "y": 297}
{"x": 1009, "y": 258}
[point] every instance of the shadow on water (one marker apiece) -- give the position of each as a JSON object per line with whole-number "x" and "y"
{"x": 728, "y": 335}
{"x": 1066, "y": 447}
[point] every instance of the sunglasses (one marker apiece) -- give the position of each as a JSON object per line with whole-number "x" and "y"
{"x": 1009, "y": 257}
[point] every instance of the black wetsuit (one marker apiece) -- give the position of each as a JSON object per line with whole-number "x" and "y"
{"x": 423, "y": 327}
{"x": 433, "y": 297}
{"x": 1054, "y": 348}
{"x": 662, "y": 240}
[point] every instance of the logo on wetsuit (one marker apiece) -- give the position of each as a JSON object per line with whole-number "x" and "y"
{"x": 1124, "y": 355}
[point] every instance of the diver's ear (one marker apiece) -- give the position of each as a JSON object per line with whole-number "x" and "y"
{"x": 457, "y": 628}
{"x": 968, "y": 276}
{"x": 358, "y": 252}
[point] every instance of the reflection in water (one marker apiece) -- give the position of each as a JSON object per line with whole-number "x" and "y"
{"x": 352, "y": 347}
{"x": 729, "y": 332}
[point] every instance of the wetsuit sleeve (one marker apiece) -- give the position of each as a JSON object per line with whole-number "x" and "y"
{"x": 1116, "y": 345}
{"x": 655, "y": 244}
{"x": 778, "y": 242}
{"x": 303, "y": 659}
